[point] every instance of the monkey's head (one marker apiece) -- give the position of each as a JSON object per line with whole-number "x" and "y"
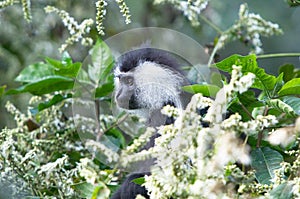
{"x": 148, "y": 79}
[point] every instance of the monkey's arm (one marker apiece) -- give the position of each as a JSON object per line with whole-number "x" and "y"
{"x": 129, "y": 189}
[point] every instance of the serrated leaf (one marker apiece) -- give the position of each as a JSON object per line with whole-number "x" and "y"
{"x": 282, "y": 191}
{"x": 205, "y": 89}
{"x": 281, "y": 106}
{"x": 263, "y": 81}
{"x": 139, "y": 181}
{"x": 288, "y": 72}
{"x": 291, "y": 87}
{"x": 35, "y": 72}
{"x": 102, "y": 61}
{"x": 265, "y": 161}
{"x": 45, "y": 85}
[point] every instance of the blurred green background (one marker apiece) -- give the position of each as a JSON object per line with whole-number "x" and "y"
{"x": 23, "y": 43}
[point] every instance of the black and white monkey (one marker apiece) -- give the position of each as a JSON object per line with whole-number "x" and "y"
{"x": 146, "y": 80}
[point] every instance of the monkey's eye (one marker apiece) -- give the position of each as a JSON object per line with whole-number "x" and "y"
{"x": 128, "y": 81}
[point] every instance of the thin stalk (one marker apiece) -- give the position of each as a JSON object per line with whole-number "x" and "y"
{"x": 246, "y": 110}
{"x": 212, "y": 25}
{"x": 212, "y": 55}
{"x": 273, "y": 55}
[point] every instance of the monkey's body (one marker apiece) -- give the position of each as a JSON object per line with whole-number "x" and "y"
{"x": 146, "y": 80}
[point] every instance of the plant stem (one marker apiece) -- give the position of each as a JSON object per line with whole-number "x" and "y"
{"x": 246, "y": 110}
{"x": 260, "y": 134}
{"x": 259, "y": 139}
{"x": 212, "y": 55}
{"x": 212, "y": 25}
{"x": 278, "y": 55}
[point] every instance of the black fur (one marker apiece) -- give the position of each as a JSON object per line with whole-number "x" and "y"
{"x": 133, "y": 58}
{"x": 129, "y": 189}
{"x": 127, "y": 62}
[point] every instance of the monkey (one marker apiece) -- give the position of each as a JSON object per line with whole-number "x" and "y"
{"x": 146, "y": 80}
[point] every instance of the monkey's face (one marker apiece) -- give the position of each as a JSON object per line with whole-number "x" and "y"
{"x": 148, "y": 86}
{"x": 126, "y": 92}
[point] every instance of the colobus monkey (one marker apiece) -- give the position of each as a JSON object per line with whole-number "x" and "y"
{"x": 146, "y": 80}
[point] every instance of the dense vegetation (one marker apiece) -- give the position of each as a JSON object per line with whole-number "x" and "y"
{"x": 69, "y": 143}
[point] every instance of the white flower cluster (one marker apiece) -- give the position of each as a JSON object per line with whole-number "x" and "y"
{"x": 234, "y": 123}
{"x": 26, "y": 9}
{"x": 170, "y": 111}
{"x": 141, "y": 141}
{"x": 76, "y": 30}
{"x": 6, "y": 3}
{"x": 86, "y": 169}
{"x": 18, "y": 116}
{"x": 124, "y": 10}
{"x": 191, "y": 9}
{"x": 249, "y": 28}
{"x": 101, "y": 13}
{"x": 238, "y": 83}
{"x": 190, "y": 158}
{"x": 51, "y": 166}
{"x": 111, "y": 155}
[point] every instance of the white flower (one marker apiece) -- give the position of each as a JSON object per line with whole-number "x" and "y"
{"x": 282, "y": 136}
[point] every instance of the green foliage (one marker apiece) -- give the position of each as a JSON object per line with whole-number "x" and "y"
{"x": 265, "y": 161}
{"x": 87, "y": 190}
{"x": 291, "y": 87}
{"x": 263, "y": 80}
{"x": 282, "y": 191}
{"x": 139, "y": 181}
{"x": 44, "y": 78}
{"x": 2, "y": 90}
{"x": 205, "y": 89}
{"x": 55, "y": 154}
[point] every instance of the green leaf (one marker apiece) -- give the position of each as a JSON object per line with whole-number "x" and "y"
{"x": 69, "y": 71}
{"x": 66, "y": 59}
{"x": 278, "y": 85}
{"x": 55, "y": 99}
{"x": 291, "y": 87}
{"x": 263, "y": 81}
{"x": 293, "y": 2}
{"x": 104, "y": 90}
{"x": 282, "y": 191}
{"x": 101, "y": 191}
{"x": 139, "y": 181}
{"x": 2, "y": 90}
{"x": 65, "y": 67}
{"x": 35, "y": 72}
{"x": 249, "y": 101}
{"x": 281, "y": 106}
{"x": 87, "y": 190}
{"x": 120, "y": 139}
{"x": 265, "y": 161}
{"x": 293, "y": 102}
{"x": 45, "y": 85}
{"x": 102, "y": 60}
{"x": 288, "y": 72}
{"x": 53, "y": 62}
{"x": 205, "y": 89}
